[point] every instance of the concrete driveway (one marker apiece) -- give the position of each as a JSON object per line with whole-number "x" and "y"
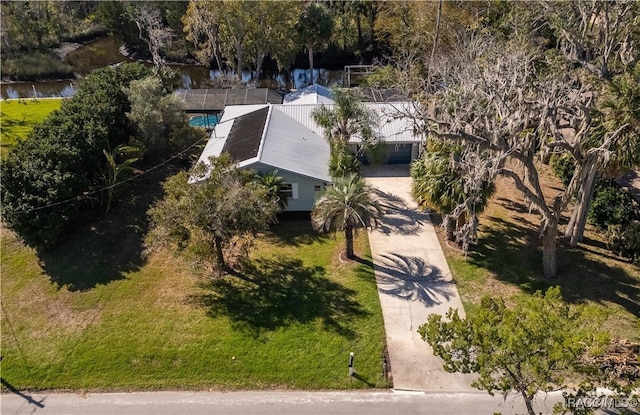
{"x": 413, "y": 281}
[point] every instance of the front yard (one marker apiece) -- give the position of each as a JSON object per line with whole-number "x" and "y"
{"x": 91, "y": 315}
{"x": 507, "y": 262}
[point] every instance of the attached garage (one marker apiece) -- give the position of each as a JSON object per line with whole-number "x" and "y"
{"x": 399, "y": 153}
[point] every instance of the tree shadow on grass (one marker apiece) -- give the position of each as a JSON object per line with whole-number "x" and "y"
{"x": 9, "y": 126}
{"x": 513, "y": 253}
{"x": 269, "y": 294}
{"x": 109, "y": 248}
{"x": 295, "y": 232}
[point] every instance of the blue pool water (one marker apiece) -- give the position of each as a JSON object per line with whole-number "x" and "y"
{"x": 204, "y": 121}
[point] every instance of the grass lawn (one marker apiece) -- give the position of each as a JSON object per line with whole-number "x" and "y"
{"x": 17, "y": 118}
{"x": 92, "y": 315}
{"x": 507, "y": 262}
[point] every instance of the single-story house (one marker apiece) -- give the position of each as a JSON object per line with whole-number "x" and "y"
{"x": 263, "y": 138}
{"x": 285, "y": 138}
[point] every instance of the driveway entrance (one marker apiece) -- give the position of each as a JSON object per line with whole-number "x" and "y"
{"x": 413, "y": 281}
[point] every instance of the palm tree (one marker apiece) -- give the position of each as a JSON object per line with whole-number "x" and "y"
{"x": 439, "y": 186}
{"x": 273, "y": 183}
{"x": 346, "y": 206}
{"x": 342, "y": 121}
{"x": 314, "y": 27}
{"x": 114, "y": 169}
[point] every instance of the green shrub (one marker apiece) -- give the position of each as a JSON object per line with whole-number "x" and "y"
{"x": 563, "y": 166}
{"x": 611, "y": 205}
{"x": 53, "y": 175}
{"x": 625, "y": 240}
{"x": 342, "y": 163}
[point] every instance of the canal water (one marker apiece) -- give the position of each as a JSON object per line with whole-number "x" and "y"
{"x": 105, "y": 51}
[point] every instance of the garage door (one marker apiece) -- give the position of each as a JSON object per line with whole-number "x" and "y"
{"x": 398, "y": 153}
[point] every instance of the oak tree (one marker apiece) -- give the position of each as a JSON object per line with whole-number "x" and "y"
{"x": 204, "y": 213}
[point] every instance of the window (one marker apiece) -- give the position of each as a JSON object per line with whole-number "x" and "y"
{"x": 289, "y": 190}
{"x": 286, "y": 190}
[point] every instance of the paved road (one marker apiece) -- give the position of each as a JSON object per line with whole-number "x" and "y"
{"x": 414, "y": 281}
{"x": 268, "y": 403}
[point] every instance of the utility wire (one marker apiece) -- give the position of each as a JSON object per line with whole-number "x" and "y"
{"x": 78, "y": 198}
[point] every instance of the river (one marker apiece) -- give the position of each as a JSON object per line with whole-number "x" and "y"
{"x": 105, "y": 51}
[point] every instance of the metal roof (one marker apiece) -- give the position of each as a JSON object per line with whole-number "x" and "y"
{"x": 318, "y": 94}
{"x": 282, "y": 142}
{"x": 213, "y": 100}
{"x": 313, "y": 94}
{"x": 287, "y": 138}
{"x": 289, "y": 145}
{"x": 391, "y": 127}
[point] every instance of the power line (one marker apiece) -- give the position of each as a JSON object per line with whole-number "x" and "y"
{"x": 80, "y": 197}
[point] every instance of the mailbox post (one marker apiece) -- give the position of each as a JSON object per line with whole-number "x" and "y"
{"x": 351, "y": 364}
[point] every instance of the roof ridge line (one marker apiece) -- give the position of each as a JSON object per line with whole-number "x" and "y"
{"x": 264, "y": 132}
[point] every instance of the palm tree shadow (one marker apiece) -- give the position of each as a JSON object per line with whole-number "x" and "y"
{"x": 398, "y": 217}
{"x": 411, "y": 279}
{"x": 267, "y": 294}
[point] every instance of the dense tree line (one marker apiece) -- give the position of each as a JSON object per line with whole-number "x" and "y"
{"x": 30, "y": 29}
{"x": 31, "y": 25}
{"x": 239, "y": 35}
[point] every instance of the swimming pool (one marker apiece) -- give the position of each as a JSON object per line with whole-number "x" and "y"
{"x": 204, "y": 121}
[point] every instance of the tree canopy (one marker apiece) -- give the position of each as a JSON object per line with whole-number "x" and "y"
{"x": 511, "y": 99}
{"x": 441, "y": 182}
{"x": 205, "y": 219}
{"x": 52, "y": 175}
{"x": 533, "y": 347}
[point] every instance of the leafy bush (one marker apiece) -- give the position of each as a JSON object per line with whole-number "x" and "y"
{"x": 156, "y": 115}
{"x": 563, "y": 166}
{"x": 52, "y": 175}
{"x": 625, "y": 240}
{"x": 611, "y": 205}
{"x": 342, "y": 163}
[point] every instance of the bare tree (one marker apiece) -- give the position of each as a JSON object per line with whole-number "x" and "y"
{"x": 153, "y": 31}
{"x": 490, "y": 98}
{"x": 596, "y": 33}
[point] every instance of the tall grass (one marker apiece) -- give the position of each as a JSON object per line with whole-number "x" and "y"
{"x": 35, "y": 66}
